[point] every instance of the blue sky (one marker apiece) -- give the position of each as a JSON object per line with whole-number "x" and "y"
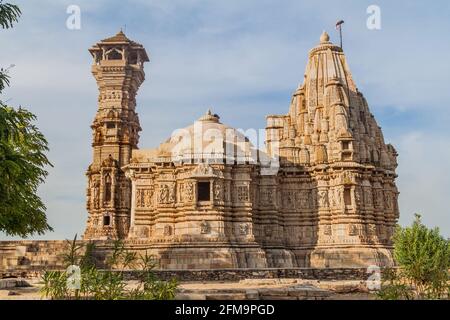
{"x": 244, "y": 59}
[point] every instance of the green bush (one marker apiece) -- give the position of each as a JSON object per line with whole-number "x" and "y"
{"x": 108, "y": 283}
{"x": 423, "y": 259}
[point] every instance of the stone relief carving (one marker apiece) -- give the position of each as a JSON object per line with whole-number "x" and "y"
{"x": 358, "y": 196}
{"x": 368, "y": 197}
{"x": 226, "y": 192}
{"x": 148, "y": 198}
{"x": 304, "y": 199}
{"x": 123, "y": 225}
{"x": 205, "y": 227}
{"x": 218, "y": 195}
{"x": 243, "y": 229}
{"x": 139, "y": 198}
{"x": 388, "y": 200}
{"x": 189, "y": 191}
{"x": 124, "y": 196}
{"x": 371, "y": 230}
{"x": 242, "y": 193}
{"x": 266, "y": 197}
{"x": 323, "y": 198}
{"x": 337, "y": 197}
{"x": 346, "y": 178}
{"x": 166, "y": 194}
{"x": 378, "y": 198}
{"x": 143, "y": 232}
{"x": 268, "y": 231}
{"x": 289, "y": 199}
{"x": 203, "y": 170}
{"x": 327, "y": 230}
{"x": 98, "y": 136}
{"x": 167, "y": 230}
{"x": 144, "y": 198}
{"x": 352, "y": 230}
{"x": 96, "y": 194}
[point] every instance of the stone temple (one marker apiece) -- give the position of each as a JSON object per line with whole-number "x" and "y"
{"x": 322, "y": 194}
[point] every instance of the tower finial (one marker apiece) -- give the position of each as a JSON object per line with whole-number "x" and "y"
{"x": 324, "y": 38}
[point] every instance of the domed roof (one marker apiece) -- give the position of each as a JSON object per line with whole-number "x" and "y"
{"x": 207, "y": 138}
{"x": 324, "y": 45}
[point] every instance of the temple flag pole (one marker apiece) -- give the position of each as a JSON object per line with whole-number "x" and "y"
{"x": 339, "y": 27}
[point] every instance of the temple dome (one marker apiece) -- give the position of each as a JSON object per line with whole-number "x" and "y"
{"x": 207, "y": 139}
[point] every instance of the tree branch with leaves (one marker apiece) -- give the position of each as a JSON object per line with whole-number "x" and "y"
{"x": 22, "y": 158}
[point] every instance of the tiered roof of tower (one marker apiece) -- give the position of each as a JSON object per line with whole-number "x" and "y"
{"x": 329, "y": 120}
{"x": 120, "y": 39}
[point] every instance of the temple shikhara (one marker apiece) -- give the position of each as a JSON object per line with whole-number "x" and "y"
{"x": 322, "y": 193}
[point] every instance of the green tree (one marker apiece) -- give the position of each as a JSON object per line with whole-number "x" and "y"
{"x": 423, "y": 258}
{"x": 22, "y": 158}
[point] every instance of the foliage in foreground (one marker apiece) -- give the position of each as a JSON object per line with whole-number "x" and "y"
{"x": 423, "y": 258}
{"x": 108, "y": 283}
{"x": 22, "y": 158}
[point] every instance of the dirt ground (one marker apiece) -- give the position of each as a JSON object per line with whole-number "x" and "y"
{"x": 327, "y": 290}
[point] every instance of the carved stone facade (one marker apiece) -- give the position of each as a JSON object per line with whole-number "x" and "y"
{"x": 118, "y": 70}
{"x": 206, "y": 198}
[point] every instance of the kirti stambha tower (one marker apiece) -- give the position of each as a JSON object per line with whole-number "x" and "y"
{"x": 118, "y": 68}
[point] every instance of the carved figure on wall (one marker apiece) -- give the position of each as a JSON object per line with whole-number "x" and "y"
{"x": 148, "y": 198}
{"x": 288, "y": 199}
{"x": 98, "y": 136}
{"x": 378, "y": 198}
{"x": 304, "y": 199}
{"x": 269, "y": 196}
{"x": 327, "y": 230}
{"x": 163, "y": 194}
{"x": 338, "y": 194}
{"x": 108, "y": 190}
{"x": 371, "y": 230}
{"x": 368, "y": 197}
{"x": 96, "y": 193}
{"x": 268, "y": 231}
{"x": 139, "y": 202}
{"x": 167, "y": 230}
{"x": 217, "y": 191}
{"x": 204, "y": 227}
{"x": 144, "y": 232}
{"x": 243, "y": 229}
{"x": 388, "y": 200}
{"x": 323, "y": 198}
{"x": 353, "y": 230}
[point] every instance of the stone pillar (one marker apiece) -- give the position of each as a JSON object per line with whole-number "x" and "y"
{"x": 130, "y": 175}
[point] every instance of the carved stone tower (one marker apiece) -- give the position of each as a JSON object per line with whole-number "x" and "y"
{"x": 331, "y": 137}
{"x": 118, "y": 68}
